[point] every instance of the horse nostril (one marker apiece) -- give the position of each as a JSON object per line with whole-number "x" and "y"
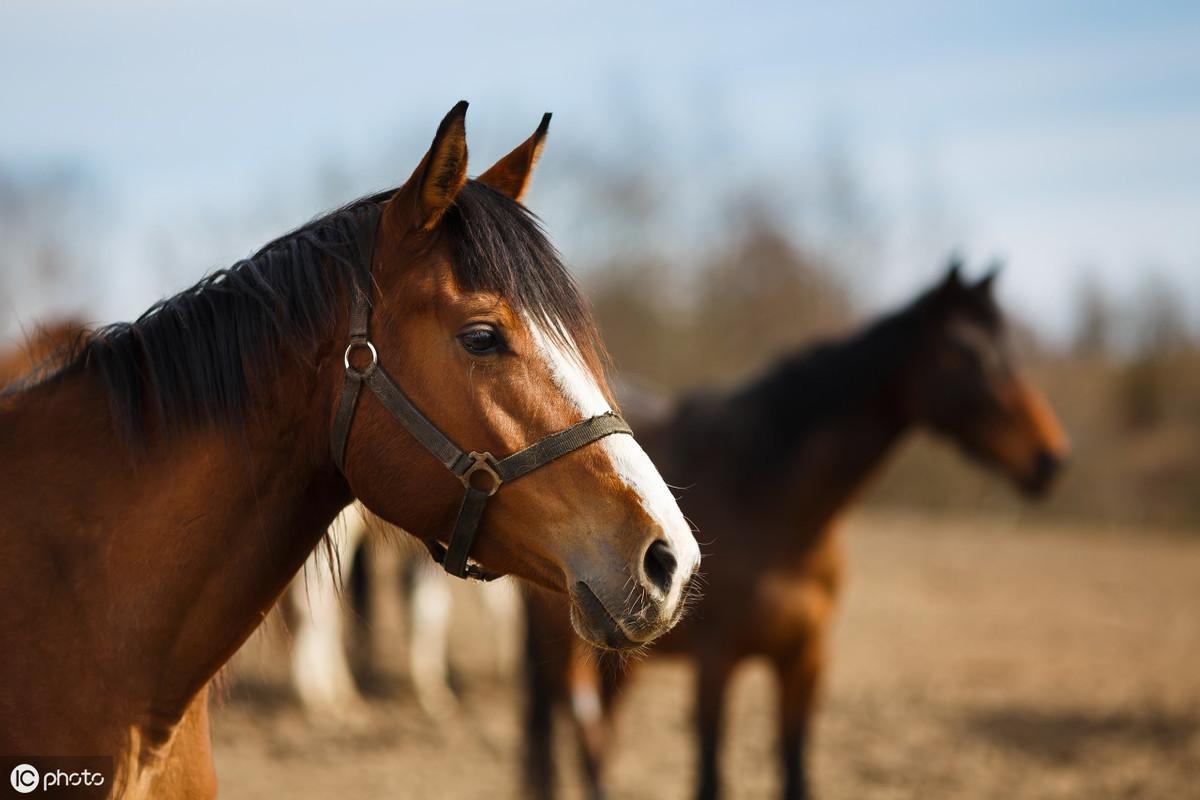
{"x": 1044, "y": 470}
{"x": 659, "y": 565}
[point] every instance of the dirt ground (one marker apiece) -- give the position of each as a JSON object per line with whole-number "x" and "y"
{"x": 973, "y": 659}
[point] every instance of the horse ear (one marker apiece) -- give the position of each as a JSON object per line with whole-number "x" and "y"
{"x": 510, "y": 175}
{"x": 439, "y": 177}
{"x": 987, "y": 283}
{"x": 948, "y": 291}
{"x": 953, "y": 279}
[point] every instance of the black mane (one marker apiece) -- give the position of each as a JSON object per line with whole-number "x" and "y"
{"x": 198, "y": 356}
{"x": 767, "y": 418}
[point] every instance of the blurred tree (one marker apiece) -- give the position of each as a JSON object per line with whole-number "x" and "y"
{"x": 1159, "y": 324}
{"x": 639, "y": 319}
{"x": 762, "y": 296}
{"x": 1094, "y": 319}
{"x": 1161, "y": 340}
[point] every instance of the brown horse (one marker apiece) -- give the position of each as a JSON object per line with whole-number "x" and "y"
{"x": 769, "y": 469}
{"x": 158, "y": 492}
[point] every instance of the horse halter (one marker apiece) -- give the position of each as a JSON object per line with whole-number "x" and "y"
{"x": 480, "y": 473}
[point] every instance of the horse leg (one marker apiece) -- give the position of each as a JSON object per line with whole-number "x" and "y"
{"x": 548, "y": 638}
{"x": 320, "y": 671}
{"x": 504, "y": 610}
{"x": 593, "y": 681}
{"x": 798, "y": 675}
{"x": 358, "y": 581}
{"x": 429, "y": 605}
{"x": 712, "y": 678}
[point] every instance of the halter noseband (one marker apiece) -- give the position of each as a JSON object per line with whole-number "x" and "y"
{"x": 471, "y": 468}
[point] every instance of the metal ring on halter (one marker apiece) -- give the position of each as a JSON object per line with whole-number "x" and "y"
{"x": 483, "y": 462}
{"x": 350, "y": 348}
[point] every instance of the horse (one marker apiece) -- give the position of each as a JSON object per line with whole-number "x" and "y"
{"x": 770, "y": 468}
{"x": 160, "y": 489}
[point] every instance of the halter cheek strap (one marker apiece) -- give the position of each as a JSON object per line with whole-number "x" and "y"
{"x": 480, "y": 473}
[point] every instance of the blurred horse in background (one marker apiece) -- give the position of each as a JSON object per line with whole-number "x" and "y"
{"x": 769, "y": 469}
{"x": 40, "y": 350}
{"x": 317, "y": 603}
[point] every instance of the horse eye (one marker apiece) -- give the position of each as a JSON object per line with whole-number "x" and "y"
{"x": 480, "y": 341}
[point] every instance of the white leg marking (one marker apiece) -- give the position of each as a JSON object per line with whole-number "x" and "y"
{"x": 320, "y": 671}
{"x": 428, "y": 623}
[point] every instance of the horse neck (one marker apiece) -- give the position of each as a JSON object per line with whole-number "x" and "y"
{"x": 826, "y": 422}
{"x": 164, "y": 559}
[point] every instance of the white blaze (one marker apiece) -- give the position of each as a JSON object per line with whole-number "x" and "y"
{"x": 629, "y": 460}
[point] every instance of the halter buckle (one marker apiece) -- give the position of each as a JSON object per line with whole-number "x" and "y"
{"x": 481, "y": 462}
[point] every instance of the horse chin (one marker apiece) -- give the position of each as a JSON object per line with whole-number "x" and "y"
{"x": 1034, "y": 488}
{"x": 594, "y": 623}
{"x": 1034, "y": 483}
{"x": 1046, "y": 468}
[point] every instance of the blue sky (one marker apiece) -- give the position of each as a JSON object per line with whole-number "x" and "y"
{"x": 1064, "y": 137}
